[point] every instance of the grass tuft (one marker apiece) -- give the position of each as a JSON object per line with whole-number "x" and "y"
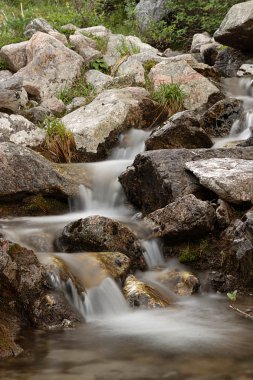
{"x": 170, "y": 97}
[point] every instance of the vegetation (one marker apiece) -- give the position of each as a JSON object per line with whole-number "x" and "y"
{"x": 188, "y": 255}
{"x": 3, "y": 64}
{"x": 170, "y": 97}
{"x": 127, "y": 48}
{"x": 79, "y": 88}
{"x": 59, "y": 141}
{"x": 232, "y": 296}
{"x": 101, "y": 65}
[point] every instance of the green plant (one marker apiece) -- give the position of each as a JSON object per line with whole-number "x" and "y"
{"x": 102, "y": 43}
{"x": 187, "y": 255}
{"x": 101, "y": 65}
{"x": 232, "y": 296}
{"x": 59, "y": 141}
{"x": 148, "y": 65}
{"x": 3, "y": 64}
{"x": 79, "y": 88}
{"x": 170, "y": 96}
{"x": 127, "y": 48}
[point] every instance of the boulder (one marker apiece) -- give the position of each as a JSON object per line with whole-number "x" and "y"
{"x": 47, "y": 71}
{"x": 229, "y": 61}
{"x": 141, "y": 295}
{"x": 182, "y": 131}
{"x": 236, "y": 30}
{"x": 15, "y": 55}
{"x": 25, "y": 172}
{"x": 148, "y": 11}
{"x": 97, "y": 126}
{"x": 38, "y": 25}
{"x": 12, "y": 94}
{"x": 209, "y": 53}
{"x": 95, "y": 31}
{"x": 245, "y": 70}
{"x": 187, "y": 217}
{"x": 148, "y": 56}
{"x": 224, "y": 214}
{"x": 85, "y": 46}
{"x": 132, "y": 67}
{"x": 77, "y": 102}
{"x": 181, "y": 283}
{"x": 98, "y": 80}
{"x": 158, "y": 177}
{"x": 97, "y": 233}
{"x": 17, "y": 129}
{"x": 230, "y": 178}
{"x": 217, "y": 121}
{"x": 37, "y": 114}
{"x": 198, "y": 40}
{"x": 198, "y": 90}
{"x": 5, "y": 74}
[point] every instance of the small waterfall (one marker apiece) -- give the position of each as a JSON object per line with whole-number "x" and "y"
{"x": 152, "y": 253}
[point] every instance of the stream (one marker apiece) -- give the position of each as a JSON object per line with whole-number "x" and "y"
{"x": 196, "y": 338}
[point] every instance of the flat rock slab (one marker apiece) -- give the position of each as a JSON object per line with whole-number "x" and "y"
{"x": 96, "y": 126}
{"x": 231, "y": 179}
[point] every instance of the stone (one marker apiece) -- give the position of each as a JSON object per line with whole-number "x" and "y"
{"x": 245, "y": 70}
{"x": 37, "y": 114}
{"x": 95, "y": 31}
{"x": 98, "y": 80}
{"x": 97, "y": 233}
{"x": 5, "y": 74}
{"x": 148, "y": 56}
{"x": 47, "y": 71}
{"x": 38, "y": 25}
{"x": 143, "y": 296}
{"x": 25, "y": 172}
{"x": 77, "y": 102}
{"x": 96, "y": 126}
{"x": 198, "y": 90}
{"x": 147, "y": 11}
{"x": 119, "y": 46}
{"x": 85, "y": 46}
{"x": 224, "y": 214}
{"x": 59, "y": 36}
{"x": 198, "y": 40}
{"x": 15, "y": 55}
{"x": 132, "y": 67}
{"x": 54, "y": 105}
{"x": 236, "y": 30}
{"x": 181, "y": 283}
{"x": 217, "y": 121}
{"x": 158, "y": 177}
{"x": 231, "y": 179}
{"x": 17, "y": 129}
{"x": 186, "y": 218}
{"x": 69, "y": 28}
{"x": 12, "y": 94}
{"x": 181, "y": 131}
{"x": 230, "y": 60}
{"x": 209, "y": 53}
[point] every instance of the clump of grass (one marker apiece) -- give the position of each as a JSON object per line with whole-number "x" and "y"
{"x": 59, "y": 141}
{"x": 79, "y": 88}
{"x": 102, "y": 43}
{"x": 188, "y": 255}
{"x": 170, "y": 98}
{"x": 3, "y": 64}
{"x": 101, "y": 65}
{"x": 148, "y": 65}
{"x": 127, "y": 48}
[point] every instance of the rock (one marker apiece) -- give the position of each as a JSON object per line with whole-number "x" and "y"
{"x": 198, "y": 40}
{"x": 180, "y": 282}
{"x": 182, "y": 131}
{"x": 54, "y": 105}
{"x": 248, "y": 142}
{"x": 158, "y": 177}
{"x": 13, "y": 96}
{"x": 85, "y": 46}
{"x": 97, "y": 233}
{"x": 236, "y": 30}
{"x": 245, "y": 70}
{"x": 148, "y": 56}
{"x": 132, "y": 67}
{"x": 209, "y": 53}
{"x": 8, "y": 335}
{"x": 15, "y": 55}
{"x": 223, "y": 214}
{"x": 198, "y": 90}
{"x": 96, "y": 126}
{"x": 17, "y": 129}
{"x": 69, "y": 28}
{"x": 230, "y": 60}
{"x": 59, "y": 36}
{"x": 25, "y": 172}
{"x": 187, "y": 217}
{"x": 37, "y": 114}
{"x": 119, "y": 46}
{"x": 5, "y": 74}
{"x": 47, "y": 71}
{"x": 95, "y": 31}
{"x": 98, "y": 80}
{"x": 116, "y": 264}
{"x": 217, "y": 121}
{"x": 75, "y": 103}
{"x": 38, "y": 25}
{"x": 148, "y": 11}
{"x": 138, "y": 294}
{"x": 231, "y": 179}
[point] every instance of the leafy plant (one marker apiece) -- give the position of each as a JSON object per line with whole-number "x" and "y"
{"x": 101, "y": 65}
{"x": 59, "y": 141}
{"x": 232, "y": 296}
{"x": 170, "y": 97}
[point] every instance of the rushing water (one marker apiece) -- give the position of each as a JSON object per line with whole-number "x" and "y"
{"x": 195, "y": 338}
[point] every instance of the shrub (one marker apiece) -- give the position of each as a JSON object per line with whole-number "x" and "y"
{"x": 59, "y": 141}
{"x": 170, "y": 97}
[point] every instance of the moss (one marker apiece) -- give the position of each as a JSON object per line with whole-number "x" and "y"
{"x": 39, "y": 205}
{"x": 14, "y": 249}
{"x": 148, "y": 65}
{"x": 188, "y": 255}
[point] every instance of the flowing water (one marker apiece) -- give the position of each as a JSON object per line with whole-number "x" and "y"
{"x": 196, "y": 338}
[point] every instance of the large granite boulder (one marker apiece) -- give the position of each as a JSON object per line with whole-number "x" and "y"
{"x": 229, "y": 61}
{"x": 148, "y": 11}
{"x": 85, "y": 46}
{"x": 182, "y": 131}
{"x": 198, "y": 40}
{"x": 25, "y": 172}
{"x": 97, "y": 233}
{"x": 230, "y": 178}
{"x": 48, "y": 69}
{"x": 41, "y": 25}
{"x": 98, "y": 80}
{"x": 96, "y": 126}
{"x": 12, "y": 94}
{"x": 132, "y": 67}
{"x": 15, "y": 55}
{"x": 159, "y": 177}
{"x": 187, "y": 217}
{"x": 198, "y": 90}
{"x": 19, "y": 130}
{"x": 236, "y": 30}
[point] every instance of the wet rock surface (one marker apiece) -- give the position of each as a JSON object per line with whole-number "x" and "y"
{"x": 97, "y": 233}
{"x": 182, "y": 283}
